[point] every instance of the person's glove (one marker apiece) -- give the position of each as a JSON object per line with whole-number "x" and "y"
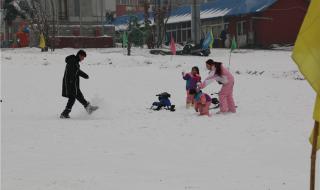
{"x": 200, "y": 85}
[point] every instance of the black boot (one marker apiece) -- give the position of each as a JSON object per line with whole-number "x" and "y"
{"x": 172, "y": 108}
{"x": 65, "y": 114}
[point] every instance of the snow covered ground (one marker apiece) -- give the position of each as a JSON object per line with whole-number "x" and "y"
{"x": 125, "y": 146}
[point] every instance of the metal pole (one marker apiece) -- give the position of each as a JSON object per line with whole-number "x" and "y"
{"x": 53, "y": 37}
{"x": 58, "y": 21}
{"x": 80, "y": 17}
{"x": 101, "y": 12}
{"x": 97, "y": 6}
{"x": 195, "y": 21}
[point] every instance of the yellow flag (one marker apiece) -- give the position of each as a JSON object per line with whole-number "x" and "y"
{"x": 306, "y": 52}
{"x": 316, "y": 113}
{"x": 42, "y": 43}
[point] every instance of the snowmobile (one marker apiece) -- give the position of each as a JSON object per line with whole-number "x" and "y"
{"x": 188, "y": 49}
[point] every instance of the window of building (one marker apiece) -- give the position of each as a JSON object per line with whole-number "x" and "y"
{"x": 189, "y": 35}
{"x": 215, "y": 29}
{"x": 181, "y": 31}
{"x": 241, "y": 28}
{"x": 226, "y": 26}
{"x": 178, "y": 36}
{"x": 184, "y": 35}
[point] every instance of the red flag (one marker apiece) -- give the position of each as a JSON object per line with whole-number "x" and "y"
{"x": 172, "y": 46}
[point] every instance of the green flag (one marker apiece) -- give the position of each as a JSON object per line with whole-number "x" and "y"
{"x": 211, "y": 43}
{"x": 124, "y": 39}
{"x": 233, "y": 44}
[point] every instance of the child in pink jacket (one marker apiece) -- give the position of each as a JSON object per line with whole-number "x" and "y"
{"x": 192, "y": 79}
{"x": 202, "y": 101}
{"x": 217, "y": 72}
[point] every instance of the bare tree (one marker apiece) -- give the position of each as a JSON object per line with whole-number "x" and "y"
{"x": 167, "y": 12}
{"x": 162, "y": 13}
{"x": 39, "y": 18}
{"x": 147, "y": 25}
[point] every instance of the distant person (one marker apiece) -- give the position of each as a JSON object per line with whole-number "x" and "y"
{"x": 217, "y": 72}
{"x": 71, "y": 84}
{"x": 223, "y": 37}
{"x": 192, "y": 79}
{"x": 202, "y": 101}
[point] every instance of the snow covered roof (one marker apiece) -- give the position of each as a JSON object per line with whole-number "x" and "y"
{"x": 220, "y": 8}
{"x": 217, "y": 8}
{"x": 121, "y": 22}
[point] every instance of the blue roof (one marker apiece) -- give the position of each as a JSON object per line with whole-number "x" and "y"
{"x": 125, "y": 18}
{"x": 237, "y": 7}
{"x": 224, "y": 7}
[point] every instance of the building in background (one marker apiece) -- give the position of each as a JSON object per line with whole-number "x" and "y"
{"x": 87, "y": 19}
{"x": 253, "y": 23}
{"x": 124, "y": 7}
{"x": 74, "y": 18}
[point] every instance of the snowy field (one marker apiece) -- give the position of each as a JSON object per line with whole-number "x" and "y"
{"x": 125, "y": 146}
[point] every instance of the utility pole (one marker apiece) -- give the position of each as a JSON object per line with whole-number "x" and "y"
{"x": 195, "y": 22}
{"x": 80, "y": 17}
{"x": 53, "y": 37}
{"x": 102, "y": 15}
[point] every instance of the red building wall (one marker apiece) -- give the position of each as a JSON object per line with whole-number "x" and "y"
{"x": 83, "y": 42}
{"x": 121, "y": 10}
{"x": 278, "y": 24}
{"x": 286, "y": 18}
{"x": 232, "y": 29}
{"x": 125, "y": 9}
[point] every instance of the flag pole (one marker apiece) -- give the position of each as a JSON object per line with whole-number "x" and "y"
{"x": 314, "y": 156}
{"x": 172, "y": 46}
{"x": 229, "y": 60}
{"x": 232, "y": 47}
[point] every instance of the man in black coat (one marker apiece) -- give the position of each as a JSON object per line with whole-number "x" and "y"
{"x": 70, "y": 84}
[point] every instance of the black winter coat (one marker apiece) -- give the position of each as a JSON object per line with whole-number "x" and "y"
{"x": 70, "y": 83}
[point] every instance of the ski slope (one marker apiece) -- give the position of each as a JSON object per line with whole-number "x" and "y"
{"x": 123, "y": 145}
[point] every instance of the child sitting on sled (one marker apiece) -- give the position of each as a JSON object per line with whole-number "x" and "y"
{"x": 164, "y": 102}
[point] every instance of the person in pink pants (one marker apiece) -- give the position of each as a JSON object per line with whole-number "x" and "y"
{"x": 202, "y": 101}
{"x": 217, "y": 72}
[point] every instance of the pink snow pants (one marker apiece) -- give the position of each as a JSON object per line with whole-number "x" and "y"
{"x": 226, "y": 98}
{"x": 190, "y": 98}
{"x": 203, "y": 108}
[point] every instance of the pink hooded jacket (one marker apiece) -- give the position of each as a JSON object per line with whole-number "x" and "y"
{"x": 225, "y": 78}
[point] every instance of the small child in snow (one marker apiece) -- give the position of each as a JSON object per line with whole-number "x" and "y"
{"x": 202, "y": 101}
{"x": 192, "y": 79}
